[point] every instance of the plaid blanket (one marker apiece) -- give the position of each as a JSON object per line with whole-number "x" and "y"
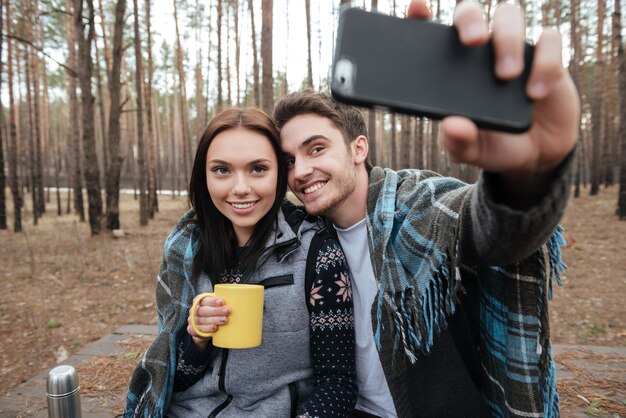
{"x": 153, "y": 379}
{"x": 414, "y": 222}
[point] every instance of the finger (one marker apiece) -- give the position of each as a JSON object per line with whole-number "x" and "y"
{"x": 206, "y": 329}
{"x": 547, "y": 66}
{"x": 470, "y": 23}
{"x": 419, "y": 9}
{"x": 210, "y": 311}
{"x": 209, "y": 301}
{"x": 508, "y": 40}
{"x": 460, "y": 138}
{"x": 491, "y": 151}
{"x": 208, "y": 321}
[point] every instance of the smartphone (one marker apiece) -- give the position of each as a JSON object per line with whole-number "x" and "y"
{"x": 421, "y": 68}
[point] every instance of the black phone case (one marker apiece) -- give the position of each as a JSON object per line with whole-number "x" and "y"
{"x": 420, "y": 68}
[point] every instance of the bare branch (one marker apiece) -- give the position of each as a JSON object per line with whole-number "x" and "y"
{"x": 71, "y": 72}
{"x": 124, "y": 102}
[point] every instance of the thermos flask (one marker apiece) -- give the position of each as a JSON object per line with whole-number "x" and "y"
{"x": 63, "y": 393}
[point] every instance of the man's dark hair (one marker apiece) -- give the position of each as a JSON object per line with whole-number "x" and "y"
{"x": 348, "y": 119}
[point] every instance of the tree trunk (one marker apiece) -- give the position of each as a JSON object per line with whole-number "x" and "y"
{"x": 153, "y": 205}
{"x": 55, "y": 143}
{"x": 267, "y": 100}
{"x": 31, "y": 134}
{"x": 22, "y": 136}
{"x": 77, "y": 175}
{"x": 393, "y": 142}
{"x": 102, "y": 113}
{"x": 557, "y": 14}
{"x": 3, "y": 206}
{"x": 434, "y": 146}
{"x": 13, "y": 144}
{"x": 307, "y": 6}
{"x": 38, "y": 188}
{"x": 26, "y": 11}
{"x": 198, "y": 99}
{"x": 394, "y": 131}
{"x": 114, "y": 131}
{"x": 405, "y": 141}
{"x": 255, "y": 59}
{"x": 418, "y": 161}
{"x": 621, "y": 60}
{"x": 596, "y": 106}
{"x": 574, "y": 68}
{"x": 208, "y": 110}
{"x": 158, "y": 141}
{"x": 105, "y": 43}
{"x": 434, "y": 125}
{"x": 141, "y": 161}
{"x": 48, "y": 160}
{"x": 172, "y": 161}
{"x": 220, "y": 103}
{"x": 40, "y": 209}
{"x": 183, "y": 99}
{"x": 102, "y": 142}
{"x": 612, "y": 107}
{"x": 607, "y": 135}
{"x": 229, "y": 97}
{"x": 380, "y": 135}
{"x": 371, "y": 117}
{"x": 371, "y": 139}
{"x": 237, "y": 51}
{"x": 85, "y": 71}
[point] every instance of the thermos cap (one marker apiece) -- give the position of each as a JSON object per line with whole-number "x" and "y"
{"x": 62, "y": 381}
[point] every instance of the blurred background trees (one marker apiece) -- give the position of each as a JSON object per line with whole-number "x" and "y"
{"x": 102, "y": 97}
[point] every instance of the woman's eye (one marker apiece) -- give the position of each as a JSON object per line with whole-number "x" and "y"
{"x": 220, "y": 170}
{"x": 259, "y": 170}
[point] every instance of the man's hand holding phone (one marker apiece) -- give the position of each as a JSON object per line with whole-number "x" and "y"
{"x": 524, "y": 160}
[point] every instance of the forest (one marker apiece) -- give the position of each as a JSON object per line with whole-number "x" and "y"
{"x": 101, "y": 97}
{"x": 102, "y": 103}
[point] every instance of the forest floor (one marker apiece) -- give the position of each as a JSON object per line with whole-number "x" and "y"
{"x": 61, "y": 288}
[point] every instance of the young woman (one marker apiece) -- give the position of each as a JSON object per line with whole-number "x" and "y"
{"x": 241, "y": 230}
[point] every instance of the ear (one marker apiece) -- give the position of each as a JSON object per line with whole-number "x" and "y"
{"x": 360, "y": 148}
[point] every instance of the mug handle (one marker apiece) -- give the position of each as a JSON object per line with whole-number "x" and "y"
{"x": 192, "y": 315}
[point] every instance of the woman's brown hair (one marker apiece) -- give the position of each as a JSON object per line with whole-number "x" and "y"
{"x": 217, "y": 236}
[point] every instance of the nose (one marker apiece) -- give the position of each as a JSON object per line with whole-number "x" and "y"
{"x": 302, "y": 169}
{"x": 241, "y": 186}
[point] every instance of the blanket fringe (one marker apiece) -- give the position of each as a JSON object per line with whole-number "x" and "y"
{"x": 417, "y": 319}
{"x": 554, "y": 244}
{"x": 144, "y": 408}
{"x": 549, "y": 391}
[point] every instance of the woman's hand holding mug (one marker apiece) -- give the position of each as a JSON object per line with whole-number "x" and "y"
{"x": 235, "y": 310}
{"x": 210, "y": 313}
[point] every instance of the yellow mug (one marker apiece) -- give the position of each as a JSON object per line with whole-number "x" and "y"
{"x": 245, "y": 322}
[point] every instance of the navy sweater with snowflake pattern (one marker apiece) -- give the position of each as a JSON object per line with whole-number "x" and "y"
{"x": 331, "y": 328}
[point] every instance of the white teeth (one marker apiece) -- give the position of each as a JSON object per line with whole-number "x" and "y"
{"x": 242, "y": 205}
{"x": 315, "y": 187}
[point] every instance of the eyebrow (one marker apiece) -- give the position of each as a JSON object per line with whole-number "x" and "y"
{"x": 308, "y": 141}
{"x": 253, "y": 162}
{"x": 259, "y": 161}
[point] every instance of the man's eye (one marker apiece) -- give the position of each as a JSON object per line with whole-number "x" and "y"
{"x": 317, "y": 149}
{"x": 290, "y": 162}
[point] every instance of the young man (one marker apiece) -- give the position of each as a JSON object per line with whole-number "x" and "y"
{"x": 449, "y": 280}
